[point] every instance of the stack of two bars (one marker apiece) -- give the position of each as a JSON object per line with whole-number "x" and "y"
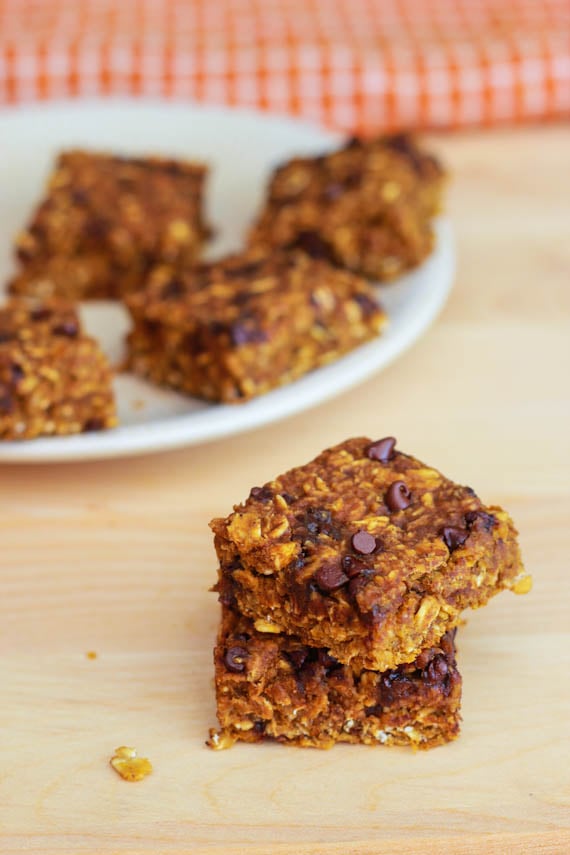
{"x": 342, "y": 583}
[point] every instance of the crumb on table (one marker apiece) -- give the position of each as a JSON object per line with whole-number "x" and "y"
{"x": 126, "y": 762}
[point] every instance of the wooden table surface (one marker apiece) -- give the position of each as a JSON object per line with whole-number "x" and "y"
{"x": 116, "y": 557}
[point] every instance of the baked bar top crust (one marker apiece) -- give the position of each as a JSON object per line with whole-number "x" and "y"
{"x": 366, "y": 552}
{"x": 366, "y": 207}
{"x": 105, "y": 219}
{"x": 54, "y": 379}
{"x": 273, "y": 686}
{"x": 238, "y": 328}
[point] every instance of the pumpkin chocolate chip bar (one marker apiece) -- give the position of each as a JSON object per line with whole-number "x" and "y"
{"x": 237, "y": 328}
{"x": 105, "y": 220}
{"x": 366, "y": 207}
{"x": 275, "y": 687}
{"x": 364, "y": 551}
{"x": 54, "y": 379}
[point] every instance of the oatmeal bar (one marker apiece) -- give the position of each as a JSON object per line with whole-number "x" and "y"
{"x": 273, "y": 686}
{"x": 366, "y": 207}
{"x": 105, "y": 220}
{"x": 237, "y": 328}
{"x": 54, "y": 379}
{"x": 366, "y": 552}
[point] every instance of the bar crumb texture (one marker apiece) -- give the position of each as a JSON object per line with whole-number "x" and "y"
{"x": 54, "y": 379}
{"x": 238, "y": 328}
{"x": 105, "y": 221}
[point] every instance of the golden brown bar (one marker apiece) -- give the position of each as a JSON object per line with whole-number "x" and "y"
{"x": 366, "y": 207}
{"x": 274, "y": 687}
{"x": 54, "y": 379}
{"x": 235, "y": 329}
{"x": 105, "y": 220}
{"x": 364, "y": 551}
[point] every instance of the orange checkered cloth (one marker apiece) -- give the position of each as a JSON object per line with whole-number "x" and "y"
{"x": 360, "y": 65}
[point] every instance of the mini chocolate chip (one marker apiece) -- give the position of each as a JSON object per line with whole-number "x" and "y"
{"x": 6, "y": 335}
{"x": 93, "y": 425}
{"x": 6, "y": 402}
{"x": 363, "y": 542}
{"x": 259, "y": 727}
{"x": 356, "y": 584}
{"x": 297, "y": 657}
{"x": 16, "y": 373}
{"x": 368, "y": 305}
{"x": 333, "y": 191}
{"x": 352, "y": 566}
{"x": 382, "y": 449}
{"x": 240, "y": 270}
{"x": 453, "y": 537}
{"x": 312, "y": 244}
{"x": 262, "y": 494}
{"x": 79, "y": 197}
{"x": 324, "y": 658}
{"x": 288, "y": 498}
{"x": 235, "y": 659}
{"x": 376, "y": 710}
{"x": 487, "y": 520}
{"x": 242, "y": 333}
{"x": 69, "y": 329}
{"x": 329, "y": 577}
{"x": 398, "y": 496}
{"x": 41, "y": 313}
{"x": 174, "y": 288}
{"x": 436, "y": 671}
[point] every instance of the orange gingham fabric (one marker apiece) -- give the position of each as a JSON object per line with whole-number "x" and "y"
{"x": 360, "y": 65}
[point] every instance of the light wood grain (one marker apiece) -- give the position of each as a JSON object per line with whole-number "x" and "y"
{"x": 116, "y": 557}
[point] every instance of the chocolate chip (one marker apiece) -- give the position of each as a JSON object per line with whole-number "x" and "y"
{"x": 247, "y": 270}
{"x": 69, "y": 329}
{"x": 333, "y": 191}
{"x": 79, "y": 197}
{"x": 437, "y": 670}
{"x": 262, "y": 494}
{"x": 315, "y": 522}
{"x": 382, "y": 449}
{"x": 352, "y": 566}
{"x": 353, "y": 142}
{"x": 235, "y": 659}
{"x": 324, "y": 658}
{"x": 356, "y": 584}
{"x": 330, "y": 577}
{"x": 297, "y": 657}
{"x": 453, "y": 537}
{"x": 368, "y": 306}
{"x": 93, "y": 425}
{"x": 6, "y": 402}
{"x": 288, "y": 498}
{"x": 173, "y": 289}
{"x": 376, "y": 710}
{"x": 245, "y": 333}
{"x": 363, "y": 542}
{"x": 259, "y": 727}
{"x": 6, "y": 335}
{"x": 488, "y": 521}
{"x": 398, "y": 496}
{"x": 41, "y": 313}
{"x": 16, "y": 373}
{"x": 312, "y": 244}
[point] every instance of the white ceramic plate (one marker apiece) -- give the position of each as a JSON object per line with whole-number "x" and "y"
{"x": 242, "y": 147}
